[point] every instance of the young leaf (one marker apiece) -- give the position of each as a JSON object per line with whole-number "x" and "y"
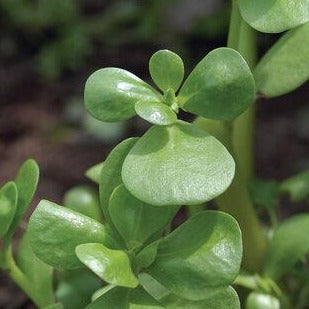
{"x": 286, "y": 65}
{"x": 123, "y": 298}
{"x": 274, "y": 16}
{"x": 155, "y": 112}
{"x": 135, "y": 220}
{"x": 110, "y": 176}
{"x": 221, "y": 86}
{"x": 110, "y": 94}
{"x": 113, "y": 266}
{"x": 176, "y": 165}
{"x": 39, "y": 274}
{"x": 84, "y": 200}
{"x": 147, "y": 255}
{"x": 200, "y": 257}
{"x": 8, "y": 203}
{"x": 26, "y": 182}
{"x": 55, "y": 232}
{"x": 166, "y": 69}
{"x": 93, "y": 173}
{"x": 297, "y": 186}
{"x": 258, "y": 300}
{"x": 290, "y": 243}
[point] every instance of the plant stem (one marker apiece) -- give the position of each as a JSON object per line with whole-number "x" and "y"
{"x": 236, "y": 200}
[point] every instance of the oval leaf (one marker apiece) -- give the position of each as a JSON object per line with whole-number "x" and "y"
{"x": 290, "y": 243}
{"x": 221, "y": 86}
{"x": 93, "y": 173}
{"x": 110, "y": 94}
{"x": 8, "y": 203}
{"x": 166, "y": 69}
{"x": 262, "y": 301}
{"x": 84, "y": 200}
{"x": 135, "y": 220}
{"x": 113, "y": 266}
{"x": 176, "y": 165}
{"x": 286, "y": 65}
{"x": 199, "y": 257}
{"x": 274, "y": 16}
{"x": 55, "y": 231}
{"x": 26, "y": 182}
{"x": 155, "y": 112}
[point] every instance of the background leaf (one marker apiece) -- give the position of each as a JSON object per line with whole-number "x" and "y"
{"x": 274, "y": 15}
{"x": 135, "y": 220}
{"x": 221, "y": 86}
{"x": 8, "y": 203}
{"x": 93, "y": 173}
{"x": 286, "y": 65}
{"x": 258, "y": 300}
{"x": 200, "y": 257}
{"x": 176, "y": 165}
{"x": 166, "y": 69}
{"x": 113, "y": 266}
{"x": 55, "y": 232}
{"x": 110, "y": 94}
{"x": 289, "y": 244}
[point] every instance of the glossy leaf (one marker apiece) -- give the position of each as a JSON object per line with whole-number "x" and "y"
{"x": 111, "y": 172}
{"x": 258, "y": 300}
{"x": 55, "y": 232}
{"x": 221, "y": 86}
{"x": 110, "y": 94}
{"x": 26, "y": 182}
{"x": 166, "y": 69}
{"x": 199, "y": 257}
{"x": 8, "y": 203}
{"x": 286, "y": 65}
{"x": 155, "y": 112}
{"x": 290, "y": 243}
{"x": 39, "y": 274}
{"x": 176, "y": 165}
{"x": 297, "y": 187}
{"x": 135, "y": 220}
{"x": 93, "y": 173}
{"x": 113, "y": 266}
{"x": 84, "y": 200}
{"x": 123, "y": 298}
{"x": 274, "y": 16}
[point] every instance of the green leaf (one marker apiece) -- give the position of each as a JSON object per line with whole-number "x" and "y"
{"x": 26, "y": 182}
{"x": 55, "y": 306}
{"x": 93, "y": 173}
{"x": 200, "y": 257}
{"x": 257, "y": 300}
{"x": 76, "y": 287}
{"x": 135, "y": 220}
{"x": 297, "y": 186}
{"x": 286, "y": 65}
{"x": 274, "y": 16}
{"x": 110, "y": 94}
{"x": 123, "y": 298}
{"x": 155, "y": 112}
{"x": 113, "y": 266}
{"x": 166, "y": 69}
{"x": 176, "y": 165}
{"x": 55, "y": 231}
{"x": 84, "y": 200}
{"x": 290, "y": 243}
{"x": 39, "y": 274}
{"x": 110, "y": 176}
{"x": 224, "y": 299}
{"x": 221, "y": 86}
{"x": 8, "y": 203}
{"x": 147, "y": 255}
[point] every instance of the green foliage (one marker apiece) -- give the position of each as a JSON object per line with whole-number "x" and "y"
{"x": 262, "y": 301}
{"x": 274, "y": 15}
{"x": 93, "y": 173}
{"x": 182, "y": 162}
{"x": 286, "y": 65}
{"x": 288, "y": 245}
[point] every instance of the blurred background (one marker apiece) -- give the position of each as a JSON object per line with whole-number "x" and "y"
{"x": 48, "y": 48}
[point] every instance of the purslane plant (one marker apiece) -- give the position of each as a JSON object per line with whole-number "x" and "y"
{"x": 144, "y": 181}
